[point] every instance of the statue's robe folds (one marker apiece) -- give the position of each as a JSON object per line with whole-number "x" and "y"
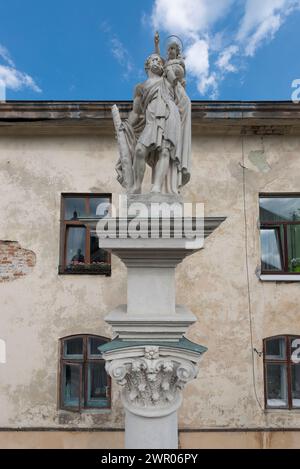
{"x": 164, "y": 124}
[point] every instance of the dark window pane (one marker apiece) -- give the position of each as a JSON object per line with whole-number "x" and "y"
{"x": 98, "y": 256}
{"x": 93, "y": 344}
{"x": 296, "y": 385}
{"x": 102, "y": 203}
{"x": 270, "y": 249}
{"x": 75, "y": 246}
{"x": 73, "y": 348}
{"x": 275, "y": 209}
{"x": 276, "y": 376}
{"x": 293, "y": 238}
{"x": 275, "y": 348}
{"x": 71, "y": 385}
{"x": 97, "y": 385}
{"x": 75, "y": 208}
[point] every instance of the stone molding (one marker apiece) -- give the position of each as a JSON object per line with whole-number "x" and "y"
{"x": 168, "y": 327}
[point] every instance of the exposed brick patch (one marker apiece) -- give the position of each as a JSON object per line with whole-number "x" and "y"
{"x": 15, "y": 261}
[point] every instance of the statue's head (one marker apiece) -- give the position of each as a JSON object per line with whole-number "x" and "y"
{"x": 174, "y": 47}
{"x": 155, "y": 63}
{"x": 173, "y": 50}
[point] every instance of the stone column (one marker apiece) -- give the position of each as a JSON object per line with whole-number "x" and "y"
{"x": 152, "y": 378}
{"x": 150, "y": 357}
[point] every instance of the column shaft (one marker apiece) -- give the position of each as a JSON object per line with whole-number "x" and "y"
{"x": 156, "y": 433}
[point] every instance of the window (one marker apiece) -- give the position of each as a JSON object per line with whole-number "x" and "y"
{"x": 80, "y": 253}
{"x": 280, "y": 234}
{"x": 84, "y": 383}
{"x": 282, "y": 372}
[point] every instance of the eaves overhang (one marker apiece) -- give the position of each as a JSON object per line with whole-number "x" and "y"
{"x": 230, "y": 117}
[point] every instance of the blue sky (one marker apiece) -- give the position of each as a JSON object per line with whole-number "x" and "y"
{"x": 95, "y": 49}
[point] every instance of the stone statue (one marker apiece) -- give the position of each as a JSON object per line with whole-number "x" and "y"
{"x": 158, "y": 129}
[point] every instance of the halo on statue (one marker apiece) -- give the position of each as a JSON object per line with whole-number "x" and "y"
{"x": 170, "y": 40}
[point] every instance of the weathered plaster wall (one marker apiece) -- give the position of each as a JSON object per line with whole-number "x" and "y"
{"x": 42, "y": 306}
{"x": 214, "y": 282}
{"x": 115, "y": 439}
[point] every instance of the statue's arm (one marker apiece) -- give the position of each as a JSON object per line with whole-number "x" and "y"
{"x": 134, "y": 115}
{"x": 183, "y": 81}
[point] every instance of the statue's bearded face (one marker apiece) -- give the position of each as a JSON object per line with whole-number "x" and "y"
{"x": 155, "y": 64}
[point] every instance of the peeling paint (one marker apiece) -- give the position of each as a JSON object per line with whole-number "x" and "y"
{"x": 15, "y": 261}
{"x": 259, "y": 160}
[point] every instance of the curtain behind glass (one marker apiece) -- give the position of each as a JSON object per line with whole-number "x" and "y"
{"x": 270, "y": 249}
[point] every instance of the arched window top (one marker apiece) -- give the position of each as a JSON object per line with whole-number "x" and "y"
{"x": 82, "y": 346}
{"x": 281, "y": 347}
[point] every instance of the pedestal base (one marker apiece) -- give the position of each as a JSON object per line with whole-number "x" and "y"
{"x": 157, "y": 433}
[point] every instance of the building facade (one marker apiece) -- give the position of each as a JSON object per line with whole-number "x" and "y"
{"x": 57, "y": 161}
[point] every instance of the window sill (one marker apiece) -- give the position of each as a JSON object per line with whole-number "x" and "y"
{"x": 105, "y": 270}
{"x": 282, "y": 410}
{"x": 280, "y": 278}
{"x": 105, "y": 410}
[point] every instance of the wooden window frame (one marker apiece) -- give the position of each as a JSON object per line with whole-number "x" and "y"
{"x": 66, "y": 224}
{"x": 277, "y": 225}
{"x": 83, "y": 363}
{"x": 280, "y": 361}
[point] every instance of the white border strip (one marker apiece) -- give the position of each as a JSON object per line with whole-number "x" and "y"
{"x": 280, "y": 278}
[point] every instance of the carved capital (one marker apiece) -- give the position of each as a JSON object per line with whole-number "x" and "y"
{"x": 152, "y": 382}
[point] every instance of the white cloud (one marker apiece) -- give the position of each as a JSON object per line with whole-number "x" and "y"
{"x": 266, "y": 30}
{"x": 209, "y": 84}
{"x": 118, "y": 50}
{"x": 15, "y": 80}
{"x": 12, "y": 78}
{"x": 197, "y": 63}
{"x": 196, "y": 21}
{"x": 257, "y": 11}
{"x": 188, "y": 17}
{"x": 261, "y": 21}
{"x": 197, "y": 58}
{"x": 5, "y": 55}
{"x": 192, "y": 20}
{"x": 121, "y": 54}
{"x": 225, "y": 57}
